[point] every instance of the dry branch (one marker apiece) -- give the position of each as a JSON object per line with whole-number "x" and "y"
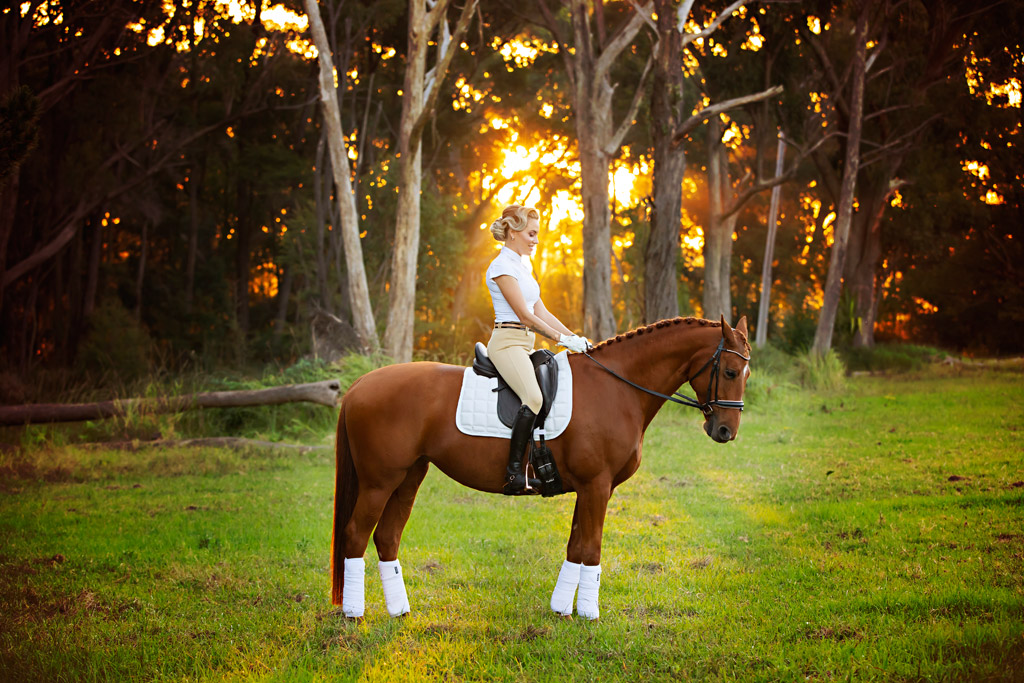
{"x": 325, "y": 393}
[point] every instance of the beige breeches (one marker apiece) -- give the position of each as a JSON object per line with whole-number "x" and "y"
{"x": 509, "y": 349}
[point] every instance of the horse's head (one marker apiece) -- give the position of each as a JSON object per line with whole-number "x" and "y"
{"x": 721, "y": 381}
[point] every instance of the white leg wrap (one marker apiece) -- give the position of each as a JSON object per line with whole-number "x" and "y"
{"x": 353, "y": 600}
{"x": 565, "y": 588}
{"x": 590, "y": 584}
{"x": 395, "y": 597}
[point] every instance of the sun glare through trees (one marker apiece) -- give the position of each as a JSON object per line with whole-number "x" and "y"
{"x": 195, "y": 161}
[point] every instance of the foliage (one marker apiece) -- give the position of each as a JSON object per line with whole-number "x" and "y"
{"x": 19, "y": 134}
{"x": 837, "y": 539}
{"x": 890, "y": 357}
{"x": 116, "y": 344}
{"x": 824, "y": 372}
{"x": 190, "y": 175}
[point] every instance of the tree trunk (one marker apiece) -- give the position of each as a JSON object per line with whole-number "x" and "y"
{"x": 93, "y": 273}
{"x": 321, "y": 222}
{"x": 140, "y": 274}
{"x": 865, "y": 249}
{"x": 243, "y": 254}
{"x": 326, "y": 392}
{"x": 284, "y": 293}
{"x": 195, "y": 181}
{"x": 418, "y": 100}
{"x": 8, "y": 210}
{"x": 764, "y": 305}
{"x": 359, "y": 292}
{"x": 598, "y": 319}
{"x": 599, "y": 139}
{"x": 661, "y": 293}
{"x": 848, "y": 189}
{"x": 402, "y": 300}
{"x": 718, "y": 231}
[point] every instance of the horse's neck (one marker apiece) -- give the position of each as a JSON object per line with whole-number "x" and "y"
{"x": 661, "y": 358}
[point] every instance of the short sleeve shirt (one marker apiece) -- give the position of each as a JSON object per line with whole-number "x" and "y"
{"x": 509, "y": 262}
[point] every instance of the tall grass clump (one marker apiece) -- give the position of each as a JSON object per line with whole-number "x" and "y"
{"x": 771, "y": 375}
{"x": 821, "y": 372}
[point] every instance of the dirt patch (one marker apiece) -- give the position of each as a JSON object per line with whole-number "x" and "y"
{"x": 432, "y": 567}
{"x": 701, "y": 562}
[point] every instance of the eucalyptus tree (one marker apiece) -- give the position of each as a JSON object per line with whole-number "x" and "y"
{"x": 359, "y": 294}
{"x": 880, "y": 100}
{"x": 670, "y": 127}
{"x": 419, "y": 98}
{"x": 591, "y": 46}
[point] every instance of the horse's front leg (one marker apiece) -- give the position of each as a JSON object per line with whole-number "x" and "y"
{"x": 583, "y": 555}
{"x": 568, "y": 581}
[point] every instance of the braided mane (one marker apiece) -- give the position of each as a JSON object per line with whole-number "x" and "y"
{"x": 648, "y": 329}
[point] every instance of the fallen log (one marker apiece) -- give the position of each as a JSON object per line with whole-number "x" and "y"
{"x": 326, "y": 393}
{"x": 232, "y": 442}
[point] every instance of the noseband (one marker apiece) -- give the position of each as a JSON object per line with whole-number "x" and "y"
{"x": 682, "y": 399}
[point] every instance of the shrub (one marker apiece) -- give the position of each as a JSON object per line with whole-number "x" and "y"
{"x": 771, "y": 374}
{"x": 116, "y": 344}
{"x": 890, "y": 357}
{"x": 821, "y": 372}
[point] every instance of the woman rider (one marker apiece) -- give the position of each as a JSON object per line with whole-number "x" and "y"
{"x": 519, "y": 315}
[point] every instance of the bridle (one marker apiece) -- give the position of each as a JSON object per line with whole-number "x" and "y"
{"x": 682, "y": 399}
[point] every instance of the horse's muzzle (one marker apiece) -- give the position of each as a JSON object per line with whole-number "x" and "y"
{"x": 719, "y": 432}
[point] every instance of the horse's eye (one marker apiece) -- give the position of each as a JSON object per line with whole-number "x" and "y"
{"x": 730, "y": 374}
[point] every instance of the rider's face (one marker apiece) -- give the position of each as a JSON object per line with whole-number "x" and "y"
{"x": 525, "y": 241}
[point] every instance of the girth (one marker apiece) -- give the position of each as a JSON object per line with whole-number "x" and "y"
{"x": 508, "y": 402}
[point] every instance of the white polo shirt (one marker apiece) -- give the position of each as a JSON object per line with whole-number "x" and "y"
{"x": 509, "y": 262}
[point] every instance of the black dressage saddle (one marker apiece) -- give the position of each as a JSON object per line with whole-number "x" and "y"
{"x": 508, "y": 405}
{"x": 508, "y": 402}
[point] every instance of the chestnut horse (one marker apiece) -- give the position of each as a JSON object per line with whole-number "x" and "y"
{"x": 397, "y": 420}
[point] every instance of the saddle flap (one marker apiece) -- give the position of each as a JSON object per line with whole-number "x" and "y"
{"x": 546, "y": 367}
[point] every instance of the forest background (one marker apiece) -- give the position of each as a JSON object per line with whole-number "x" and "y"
{"x": 168, "y": 199}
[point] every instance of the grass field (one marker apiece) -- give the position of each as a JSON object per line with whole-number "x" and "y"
{"x": 871, "y": 534}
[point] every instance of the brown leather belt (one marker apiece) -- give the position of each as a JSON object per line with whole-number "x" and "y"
{"x": 511, "y": 325}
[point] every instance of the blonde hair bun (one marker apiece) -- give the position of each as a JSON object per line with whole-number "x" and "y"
{"x": 514, "y": 217}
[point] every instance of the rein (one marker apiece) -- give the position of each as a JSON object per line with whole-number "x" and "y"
{"x": 683, "y": 399}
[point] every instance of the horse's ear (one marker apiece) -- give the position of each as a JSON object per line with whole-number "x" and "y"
{"x": 727, "y": 332}
{"x": 741, "y": 326}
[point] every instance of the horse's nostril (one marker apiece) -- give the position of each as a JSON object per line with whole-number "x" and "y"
{"x": 724, "y": 433}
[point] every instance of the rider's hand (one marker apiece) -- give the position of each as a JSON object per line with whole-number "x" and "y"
{"x": 573, "y": 342}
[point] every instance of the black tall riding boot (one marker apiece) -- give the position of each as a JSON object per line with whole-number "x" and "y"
{"x": 515, "y": 476}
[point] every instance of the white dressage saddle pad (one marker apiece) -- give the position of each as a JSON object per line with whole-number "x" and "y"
{"x": 477, "y": 412}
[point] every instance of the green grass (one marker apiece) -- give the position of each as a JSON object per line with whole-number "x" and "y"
{"x": 872, "y": 534}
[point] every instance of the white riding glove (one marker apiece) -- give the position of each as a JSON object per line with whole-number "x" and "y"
{"x": 573, "y": 342}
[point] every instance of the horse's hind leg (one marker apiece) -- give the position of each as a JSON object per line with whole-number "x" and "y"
{"x": 366, "y": 512}
{"x": 388, "y": 536}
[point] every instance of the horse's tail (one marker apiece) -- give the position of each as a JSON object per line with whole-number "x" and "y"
{"x": 346, "y": 489}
